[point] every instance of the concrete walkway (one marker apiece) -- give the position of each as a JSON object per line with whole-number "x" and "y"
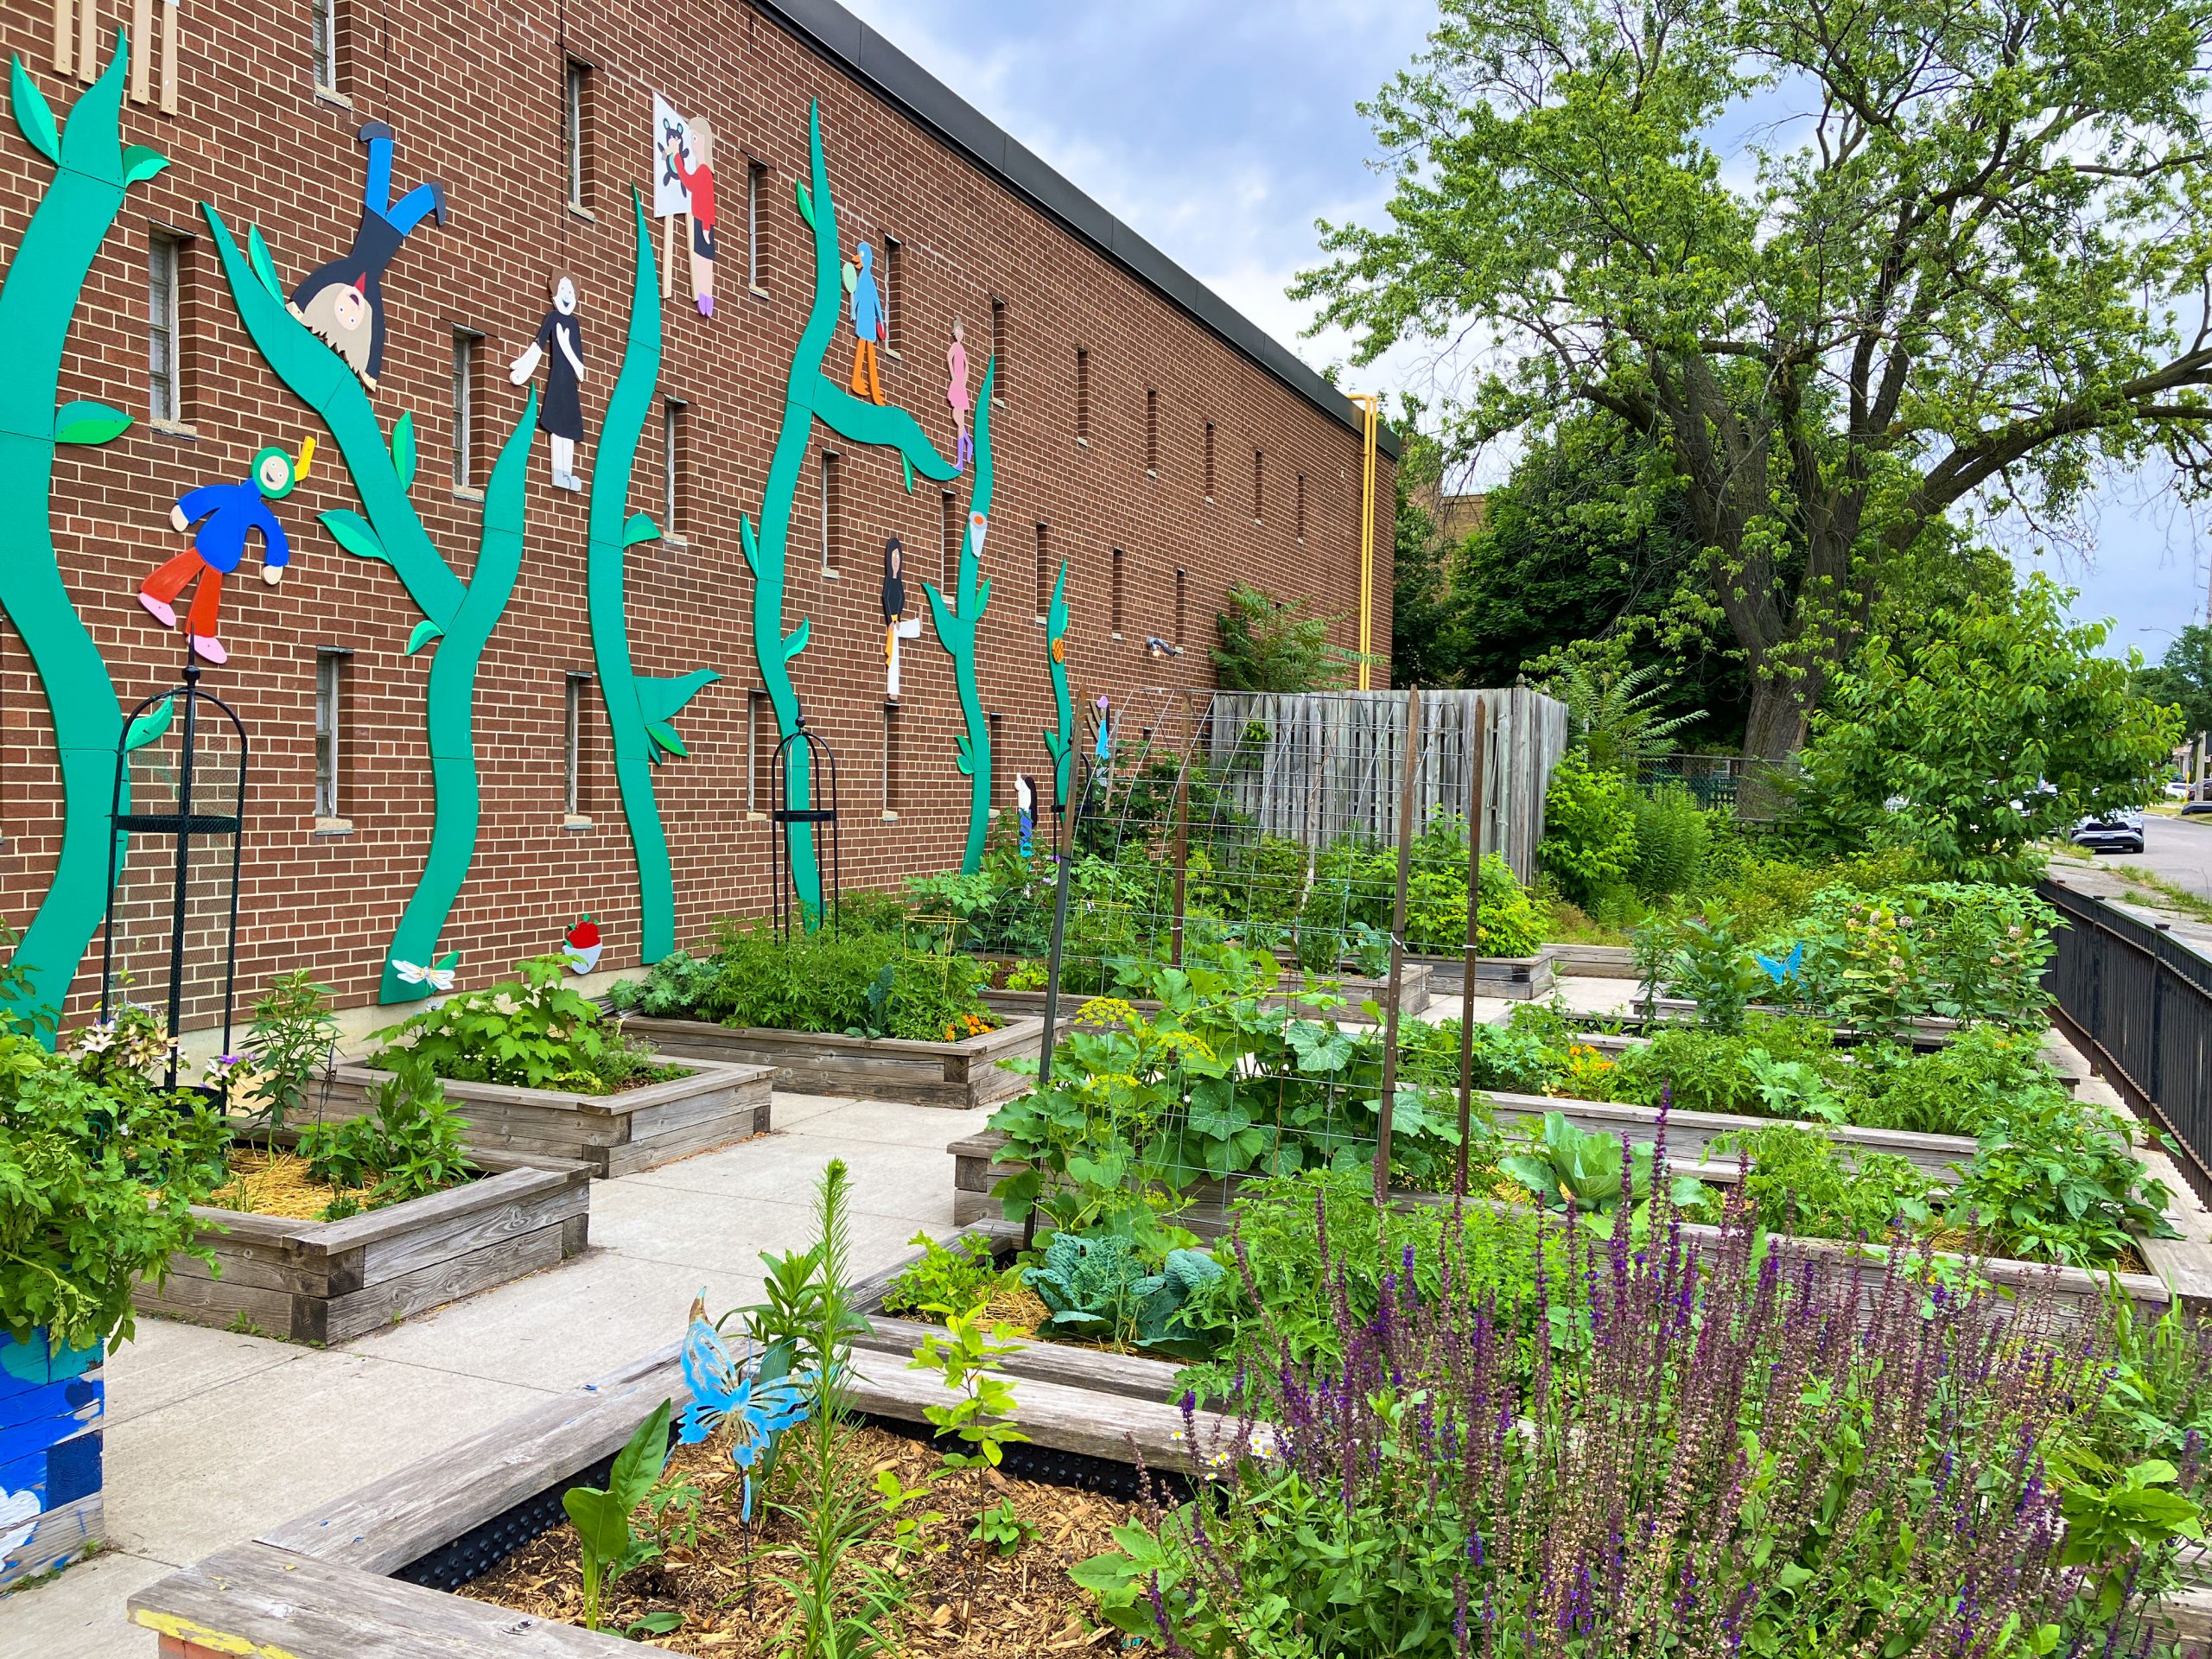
{"x": 212, "y": 1438}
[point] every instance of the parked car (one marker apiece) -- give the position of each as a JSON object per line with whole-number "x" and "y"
{"x": 2176, "y": 790}
{"x": 2119, "y": 831}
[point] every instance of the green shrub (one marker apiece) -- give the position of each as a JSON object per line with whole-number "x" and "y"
{"x": 1798, "y": 1181}
{"x": 1671, "y": 839}
{"x": 961, "y": 1277}
{"x": 406, "y": 1146}
{"x": 537, "y": 1032}
{"x": 1589, "y": 844}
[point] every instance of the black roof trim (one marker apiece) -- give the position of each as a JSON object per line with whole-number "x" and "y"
{"x": 834, "y": 33}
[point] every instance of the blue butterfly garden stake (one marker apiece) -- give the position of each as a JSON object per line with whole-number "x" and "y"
{"x": 1783, "y": 969}
{"x": 757, "y": 1401}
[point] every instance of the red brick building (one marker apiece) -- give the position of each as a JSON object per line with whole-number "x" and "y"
{"x": 1143, "y": 432}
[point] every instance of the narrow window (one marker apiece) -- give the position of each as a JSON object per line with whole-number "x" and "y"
{"x": 832, "y": 513}
{"x": 464, "y": 408}
{"x": 576, "y": 784}
{"x": 1044, "y": 571}
{"x": 756, "y": 261}
{"x": 1152, "y": 433}
{"x": 574, "y": 103}
{"x": 1181, "y": 608}
{"x": 894, "y": 295}
{"x": 948, "y": 534}
{"x": 891, "y": 792}
{"x": 329, "y": 723}
{"x": 1301, "y": 507}
{"x": 322, "y": 43}
{"x": 759, "y": 750}
{"x": 991, "y": 724}
{"x": 998, "y": 351}
{"x": 1209, "y": 461}
{"x": 1116, "y": 572}
{"x": 164, "y": 382}
{"x": 671, "y": 466}
{"x": 1259, "y": 482}
{"x": 1083, "y": 396}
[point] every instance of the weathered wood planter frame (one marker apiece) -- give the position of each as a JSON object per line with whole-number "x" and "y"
{"x": 325, "y": 1282}
{"x": 1517, "y": 979}
{"x": 323, "y": 1587}
{"x": 1414, "y": 994}
{"x": 958, "y": 1075}
{"x": 717, "y": 1105}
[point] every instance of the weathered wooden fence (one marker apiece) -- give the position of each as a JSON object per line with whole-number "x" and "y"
{"x": 1317, "y": 765}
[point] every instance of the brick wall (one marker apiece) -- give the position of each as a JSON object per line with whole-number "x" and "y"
{"x": 475, "y": 94}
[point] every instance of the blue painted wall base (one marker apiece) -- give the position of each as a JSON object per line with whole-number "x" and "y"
{"x": 50, "y": 1407}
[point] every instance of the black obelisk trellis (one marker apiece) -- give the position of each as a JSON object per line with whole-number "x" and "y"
{"x": 194, "y": 817}
{"x": 822, "y": 763}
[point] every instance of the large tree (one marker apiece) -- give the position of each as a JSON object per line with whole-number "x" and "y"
{"x": 1847, "y": 262}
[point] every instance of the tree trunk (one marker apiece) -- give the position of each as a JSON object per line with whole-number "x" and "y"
{"x": 1774, "y": 731}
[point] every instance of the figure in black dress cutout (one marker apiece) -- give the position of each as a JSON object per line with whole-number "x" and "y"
{"x": 897, "y": 624}
{"x": 343, "y": 301}
{"x": 560, "y": 342}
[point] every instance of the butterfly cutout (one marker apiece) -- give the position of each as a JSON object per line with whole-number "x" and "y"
{"x": 757, "y": 1402}
{"x": 437, "y": 978}
{"x": 1783, "y": 969}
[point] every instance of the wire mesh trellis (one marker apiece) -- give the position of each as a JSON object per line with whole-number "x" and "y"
{"x": 170, "y": 935}
{"x": 1245, "y": 874}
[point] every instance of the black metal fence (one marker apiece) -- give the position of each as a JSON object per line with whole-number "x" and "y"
{"x": 2138, "y": 1002}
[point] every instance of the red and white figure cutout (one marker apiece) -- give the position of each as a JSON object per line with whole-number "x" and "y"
{"x": 581, "y": 944}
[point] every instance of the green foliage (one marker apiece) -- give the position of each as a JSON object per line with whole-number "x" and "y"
{"x": 1273, "y": 645}
{"x": 2183, "y": 678}
{"x": 2003, "y": 727}
{"x": 2054, "y": 1180}
{"x": 969, "y": 1361}
{"x": 1587, "y": 1171}
{"x": 1796, "y": 1181}
{"x": 964, "y": 1276}
{"x": 1611, "y": 715}
{"x": 1098, "y": 1287}
{"x": 292, "y": 1040}
{"x": 537, "y": 1032}
{"x": 1672, "y": 838}
{"x": 609, "y": 1543}
{"x": 1354, "y": 887}
{"x": 1589, "y": 845}
{"x": 99, "y": 1168}
{"x": 407, "y": 1144}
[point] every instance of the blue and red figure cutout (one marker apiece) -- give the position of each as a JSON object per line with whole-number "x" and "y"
{"x": 869, "y": 322}
{"x": 225, "y": 515}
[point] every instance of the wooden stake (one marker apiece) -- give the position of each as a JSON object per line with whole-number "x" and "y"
{"x": 668, "y": 257}
{"x": 169, "y": 8}
{"x": 142, "y": 49}
{"x": 1182, "y": 860}
{"x": 88, "y": 42}
{"x": 1475, "y": 769}
{"x": 64, "y": 37}
{"x": 1397, "y": 949}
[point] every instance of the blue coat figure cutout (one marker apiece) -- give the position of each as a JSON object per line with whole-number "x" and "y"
{"x": 869, "y": 324}
{"x": 1024, "y": 810}
{"x": 343, "y": 301}
{"x": 226, "y": 514}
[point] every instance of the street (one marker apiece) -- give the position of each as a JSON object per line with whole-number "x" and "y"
{"x": 2180, "y": 849}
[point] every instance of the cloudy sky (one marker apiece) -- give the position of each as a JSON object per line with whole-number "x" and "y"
{"x": 1220, "y": 131}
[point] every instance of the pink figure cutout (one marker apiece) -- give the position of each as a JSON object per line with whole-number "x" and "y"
{"x": 955, "y": 393}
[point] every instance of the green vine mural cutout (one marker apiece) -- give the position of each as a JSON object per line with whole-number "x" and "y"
{"x": 809, "y": 395}
{"x": 1059, "y": 738}
{"x": 641, "y": 709}
{"x": 957, "y": 616}
{"x": 460, "y": 615}
{"x": 92, "y": 172}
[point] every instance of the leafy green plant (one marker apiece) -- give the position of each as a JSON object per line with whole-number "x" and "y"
{"x": 1672, "y": 837}
{"x": 2055, "y": 1180}
{"x": 1273, "y": 645}
{"x": 1797, "y": 1181}
{"x": 1610, "y": 716}
{"x": 2135, "y": 1510}
{"x": 1589, "y": 844}
{"x": 967, "y": 1360}
{"x": 292, "y": 1039}
{"x": 1703, "y": 958}
{"x": 964, "y": 1275}
{"x": 1000, "y": 1528}
{"x": 609, "y": 1544}
{"x": 408, "y": 1144}
{"x": 537, "y": 1032}
{"x": 1792, "y": 1087}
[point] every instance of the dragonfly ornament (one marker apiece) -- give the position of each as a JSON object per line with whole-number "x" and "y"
{"x": 757, "y": 1402}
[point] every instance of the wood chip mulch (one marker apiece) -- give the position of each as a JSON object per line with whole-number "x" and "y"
{"x": 724, "y": 1586}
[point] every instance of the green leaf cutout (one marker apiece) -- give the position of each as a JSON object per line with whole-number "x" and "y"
{"x": 806, "y": 201}
{"x": 33, "y": 115}
{"x": 795, "y": 641}
{"x": 257, "y": 253}
{"x": 909, "y": 467}
{"x": 352, "y": 533}
{"x": 967, "y": 762}
{"x": 150, "y": 724}
{"x": 425, "y": 631}
{"x": 141, "y": 163}
{"x": 402, "y": 450}
{"x": 667, "y": 736}
{"x": 639, "y": 529}
{"x": 86, "y": 422}
{"x": 748, "y": 539}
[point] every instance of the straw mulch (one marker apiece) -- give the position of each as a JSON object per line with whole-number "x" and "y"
{"x": 276, "y": 1184}
{"x": 724, "y": 1584}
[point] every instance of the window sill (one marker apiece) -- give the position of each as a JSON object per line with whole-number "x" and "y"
{"x": 888, "y": 817}
{"x": 756, "y": 817}
{"x": 584, "y": 213}
{"x": 830, "y": 573}
{"x": 756, "y": 291}
{"x": 575, "y": 824}
{"x": 995, "y": 813}
{"x": 893, "y": 354}
{"x": 330, "y": 827}
{"x": 466, "y": 492}
{"x": 174, "y": 430}
{"x": 332, "y": 96}
{"x": 669, "y": 538}
{"x": 1153, "y": 473}
{"x": 1083, "y": 443}
{"x": 1117, "y": 633}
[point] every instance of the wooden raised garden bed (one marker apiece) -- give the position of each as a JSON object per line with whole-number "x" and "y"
{"x": 355, "y": 1577}
{"x": 716, "y": 1105}
{"x": 324, "y": 1281}
{"x": 958, "y": 1075}
{"x": 1517, "y": 979}
{"x": 1414, "y": 994}
{"x": 50, "y": 1410}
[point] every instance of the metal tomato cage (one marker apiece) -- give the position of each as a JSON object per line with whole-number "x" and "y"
{"x": 189, "y": 750}
{"x": 821, "y": 763}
